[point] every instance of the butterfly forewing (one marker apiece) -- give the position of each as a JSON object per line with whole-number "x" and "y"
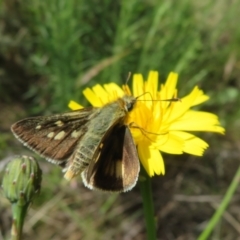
{"x": 54, "y": 137}
{"x": 115, "y": 166}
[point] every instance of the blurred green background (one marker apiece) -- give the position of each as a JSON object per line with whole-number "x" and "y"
{"x": 51, "y": 50}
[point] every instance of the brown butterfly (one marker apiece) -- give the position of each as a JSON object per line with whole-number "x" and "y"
{"x": 92, "y": 141}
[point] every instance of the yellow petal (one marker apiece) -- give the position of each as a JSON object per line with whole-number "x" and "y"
{"x": 200, "y": 99}
{"x": 113, "y": 91}
{"x": 151, "y": 85}
{"x": 169, "y": 143}
{"x": 197, "y": 121}
{"x": 126, "y": 90}
{"x": 192, "y": 144}
{"x": 92, "y": 97}
{"x": 101, "y": 93}
{"x": 137, "y": 85}
{"x": 151, "y": 160}
{"x": 74, "y": 106}
{"x": 169, "y": 88}
{"x": 179, "y": 108}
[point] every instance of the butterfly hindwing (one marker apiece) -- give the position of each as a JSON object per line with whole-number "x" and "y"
{"x": 115, "y": 166}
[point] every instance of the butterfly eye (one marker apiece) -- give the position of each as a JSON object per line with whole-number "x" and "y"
{"x": 129, "y": 106}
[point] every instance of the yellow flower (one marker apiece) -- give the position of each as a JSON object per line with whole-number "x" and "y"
{"x": 157, "y": 125}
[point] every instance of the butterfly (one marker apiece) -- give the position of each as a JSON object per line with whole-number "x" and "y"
{"x": 93, "y": 142}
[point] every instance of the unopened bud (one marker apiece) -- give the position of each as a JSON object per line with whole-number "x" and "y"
{"x": 22, "y": 180}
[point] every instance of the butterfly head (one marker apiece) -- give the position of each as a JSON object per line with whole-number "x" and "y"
{"x": 129, "y": 103}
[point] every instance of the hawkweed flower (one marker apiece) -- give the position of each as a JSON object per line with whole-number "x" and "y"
{"x": 158, "y": 125}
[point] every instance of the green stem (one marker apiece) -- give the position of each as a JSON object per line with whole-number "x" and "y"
{"x": 19, "y": 213}
{"x": 217, "y": 215}
{"x": 148, "y": 209}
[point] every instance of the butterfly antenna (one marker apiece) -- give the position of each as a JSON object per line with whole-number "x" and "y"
{"x": 164, "y": 100}
{"x": 128, "y": 78}
{"x": 144, "y": 94}
{"x": 170, "y": 100}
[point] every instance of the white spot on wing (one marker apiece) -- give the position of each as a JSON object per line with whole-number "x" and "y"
{"x": 75, "y": 134}
{"x": 119, "y": 169}
{"x": 50, "y": 135}
{"x": 59, "y": 136}
{"x": 59, "y": 123}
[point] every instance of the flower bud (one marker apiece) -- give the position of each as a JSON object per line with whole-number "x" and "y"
{"x": 21, "y": 180}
